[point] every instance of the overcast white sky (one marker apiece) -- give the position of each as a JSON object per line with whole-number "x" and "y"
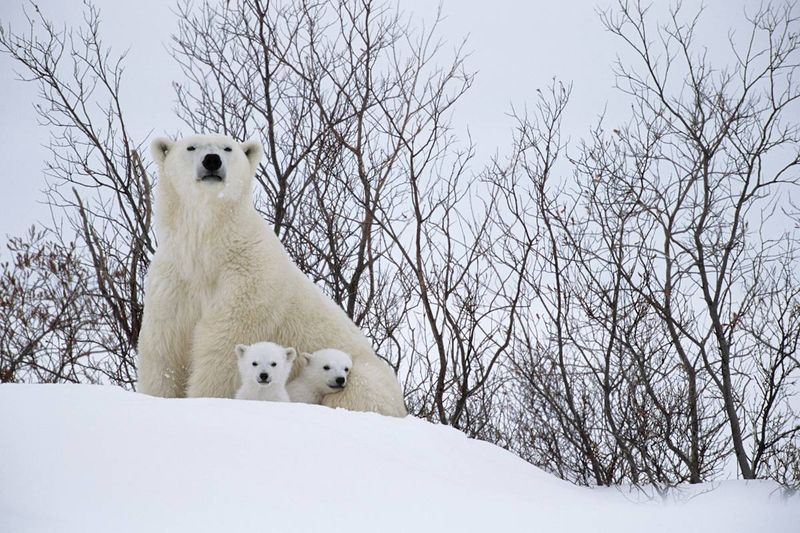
{"x": 517, "y": 47}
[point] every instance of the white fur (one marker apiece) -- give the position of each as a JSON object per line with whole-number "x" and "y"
{"x": 322, "y": 372}
{"x": 264, "y": 368}
{"x": 220, "y": 277}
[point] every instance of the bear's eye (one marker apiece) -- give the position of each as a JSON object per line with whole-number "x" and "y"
{"x": 274, "y": 364}
{"x": 255, "y": 363}
{"x": 227, "y": 148}
{"x": 326, "y": 367}
{"x": 346, "y": 369}
{"x": 191, "y": 148}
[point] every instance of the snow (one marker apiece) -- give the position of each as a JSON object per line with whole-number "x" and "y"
{"x": 80, "y": 458}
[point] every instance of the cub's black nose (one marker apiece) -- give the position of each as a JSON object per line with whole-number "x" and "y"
{"x": 212, "y": 162}
{"x": 340, "y": 380}
{"x": 263, "y": 376}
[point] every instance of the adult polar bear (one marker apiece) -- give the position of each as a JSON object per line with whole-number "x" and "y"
{"x": 220, "y": 277}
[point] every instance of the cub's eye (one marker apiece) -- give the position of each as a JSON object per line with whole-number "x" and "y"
{"x": 274, "y": 364}
{"x": 255, "y": 363}
{"x": 326, "y": 367}
{"x": 346, "y": 369}
{"x": 191, "y": 148}
{"x": 227, "y": 148}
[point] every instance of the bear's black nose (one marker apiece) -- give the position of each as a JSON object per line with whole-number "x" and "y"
{"x": 340, "y": 380}
{"x": 212, "y": 162}
{"x": 263, "y": 376}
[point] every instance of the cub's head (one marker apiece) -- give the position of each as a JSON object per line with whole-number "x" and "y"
{"x": 265, "y": 362}
{"x": 325, "y": 370}
{"x": 212, "y": 166}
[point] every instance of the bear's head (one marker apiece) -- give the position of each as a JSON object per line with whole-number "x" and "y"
{"x": 205, "y": 167}
{"x": 263, "y": 363}
{"x": 325, "y": 370}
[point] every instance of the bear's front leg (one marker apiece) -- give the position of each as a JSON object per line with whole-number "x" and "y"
{"x": 232, "y": 317}
{"x": 163, "y": 344}
{"x": 213, "y": 372}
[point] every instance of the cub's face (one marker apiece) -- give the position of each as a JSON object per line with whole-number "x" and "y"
{"x": 326, "y": 370}
{"x": 207, "y": 166}
{"x": 263, "y": 363}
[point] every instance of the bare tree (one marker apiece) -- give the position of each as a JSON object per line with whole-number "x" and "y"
{"x": 732, "y": 149}
{"x": 669, "y": 336}
{"x": 47, "y": 332}
{"x": 96, "y": 180}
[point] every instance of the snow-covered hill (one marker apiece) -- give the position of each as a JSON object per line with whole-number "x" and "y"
{"x": 98, "y": 459}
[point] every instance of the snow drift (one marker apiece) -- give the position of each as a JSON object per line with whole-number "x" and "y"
{"x": 83, "y": 459}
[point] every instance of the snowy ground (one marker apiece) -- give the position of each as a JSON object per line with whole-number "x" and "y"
{"x": 97, "y": 459}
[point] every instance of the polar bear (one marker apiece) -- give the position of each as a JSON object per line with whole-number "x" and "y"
{"x": 322, "y": 372}
{"x": 220, "y": 277}
{"x": 264, "y": 368}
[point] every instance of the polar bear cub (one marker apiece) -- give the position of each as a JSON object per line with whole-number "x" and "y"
{"x": 264, "y": 368}
{"x": 322, "y": 372}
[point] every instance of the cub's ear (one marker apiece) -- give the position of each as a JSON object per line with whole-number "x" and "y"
{"x": 240, "y": 349}
{"x": 304, "y": 359}
{"x": 253, "y": 150}
{"x": 159, "y": 148}
{"x": 291, "y": 353}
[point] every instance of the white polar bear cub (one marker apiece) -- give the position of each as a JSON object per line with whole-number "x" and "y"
{"x": 220, "y": 277}
{"x": 322, "y": 372}
{"x": 264, "y": 368}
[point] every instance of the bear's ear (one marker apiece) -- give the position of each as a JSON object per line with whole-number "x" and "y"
{"x": 240, "y": 349}
{"x": 159, "y": 148}
{"x": 304, "y": 359}
{"x": 253, "y": 150}
{"x": 291, "y": 354}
